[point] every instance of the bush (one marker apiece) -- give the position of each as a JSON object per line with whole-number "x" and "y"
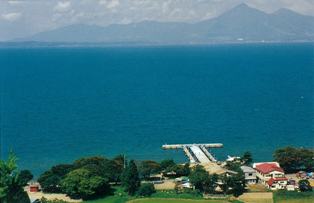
{"x": 146, "y": 189}
{"x": 305, "y": 186}
{"x": 44, "y": 200}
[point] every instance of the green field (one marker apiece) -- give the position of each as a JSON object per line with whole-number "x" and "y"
{"x": 293, "y": 197}
{"x": 163, "y": 200}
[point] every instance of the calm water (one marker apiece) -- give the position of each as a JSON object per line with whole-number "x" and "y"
{"x": 59, "y": 104}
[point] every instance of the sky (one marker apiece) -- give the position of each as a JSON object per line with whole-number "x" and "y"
{"x": 21, "y": 18}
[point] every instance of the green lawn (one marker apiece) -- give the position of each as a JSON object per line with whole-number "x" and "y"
{"x": 165, "y": 200}
{"x": 293, "y": 197}
{"x": 110, "y": 199}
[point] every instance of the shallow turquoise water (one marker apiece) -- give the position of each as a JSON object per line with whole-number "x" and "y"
{"x": 59, "y": 104}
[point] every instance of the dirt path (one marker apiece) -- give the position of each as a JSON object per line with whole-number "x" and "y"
{"x": 257, "y": 197}
{"x": 39, "y": 195}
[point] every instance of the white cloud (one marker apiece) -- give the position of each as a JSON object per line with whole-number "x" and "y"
{"x": 11, "y": 16}
{"x": 110, "y": 4}
{"x": 63, "y": 6}
{"x": 15, "y": 2}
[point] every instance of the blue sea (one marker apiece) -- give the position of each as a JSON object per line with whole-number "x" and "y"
{"x": 60, "y": 104}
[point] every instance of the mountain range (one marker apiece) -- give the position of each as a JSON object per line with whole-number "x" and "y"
{"x": 240, "y": 24}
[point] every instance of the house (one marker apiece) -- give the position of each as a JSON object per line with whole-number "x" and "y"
{"x": 249, "y": 174}
{"x": 271, "y": 175}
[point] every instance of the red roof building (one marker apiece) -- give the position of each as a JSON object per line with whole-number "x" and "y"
{"x": 268, "y": 167}
{"x": 271, "y": 175}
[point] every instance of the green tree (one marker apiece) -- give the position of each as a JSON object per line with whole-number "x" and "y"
{"x": 50, "y": 180}
{"x": 233, "y": 184}
{"x": 295, "y": 159}
{"x": 82, "y": 183}
{"x": 305, "y": 186}
{"x": 146, "y": 189}
{"x": 108, "y": 169}
{"x": 247, "y": 158}
{"x": 199, "y": 177}
{"x": 11, "y": 187}
{"x": 25, "y": 176}
{"x": 167, "y": 163}
{"x": 148, "y": 167}
{"x": 210, "y": 184}
{"x": 130, "y": 178}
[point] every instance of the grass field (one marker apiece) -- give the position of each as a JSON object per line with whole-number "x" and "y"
{"x": 293, "y": 197}
{"x": 166, "y": 200}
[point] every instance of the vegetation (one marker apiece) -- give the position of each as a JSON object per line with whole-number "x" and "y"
{"x": 50, "y": 180}
{"x": 146, "y": 190}
{"x": 293, "y": 197}
{"x": 293, "y": 159}
{"x": 247, "y": 158}
{"x": 305, "y": 186}
{"x": 85, "y": 184}
{"x": 11, "y": 183}
{"x": 25, "y": 176}
{"x": 147, "y": 168}
{"x": 130, "y": 178}
{"x": 199, "y": 177}
{"x": 44, "y": 200}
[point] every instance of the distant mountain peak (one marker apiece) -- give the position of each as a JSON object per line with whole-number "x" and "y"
{"x": 240, "y": 22}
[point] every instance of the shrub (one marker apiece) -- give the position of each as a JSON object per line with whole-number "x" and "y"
{"x": 146, "y": 189}
{"x": 305, "y": 186}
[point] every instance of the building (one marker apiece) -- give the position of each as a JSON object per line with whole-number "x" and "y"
{"x": 249, "y": 174}
{"x": 271, "y": 175}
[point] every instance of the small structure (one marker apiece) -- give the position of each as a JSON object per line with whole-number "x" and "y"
{"x": 271, "y": 175}
{"x": 34, "y": 187}
{"x": 249, "y": 174}
{"x": 277, "y": 183}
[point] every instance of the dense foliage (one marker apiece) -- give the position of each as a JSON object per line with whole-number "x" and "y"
{"x": 305, "y": 186}
{"x": 50, "y": 180}
{"x": 147, "y": 168}
{"x": 247, "y": 158}
{"x": 25, "y": 176}
{"x": 295, "y": 159}
{"x": 146, "y": 189}
{"x": 198, "y": 177}
{"x": 130, "y": 178}
{"x": 85, "y": 184}
{"x": 11, "y": 186}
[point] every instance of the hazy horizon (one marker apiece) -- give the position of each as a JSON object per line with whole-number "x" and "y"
{"x": 20, "y": 19}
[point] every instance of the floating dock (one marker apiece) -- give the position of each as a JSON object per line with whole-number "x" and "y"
{"x": 197, "y": 153}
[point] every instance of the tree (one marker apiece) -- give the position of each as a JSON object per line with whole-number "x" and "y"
{"x": 130, "y": 178}
{"x": 295, "y": 159}
{"x": 146, "y": 189}
{"x": 148, "y": 168}
{"x": 11, "y": 186}
{"x": 210, "y": 184}
{"x": 305, "y": 186}
{"x": 50, "y": 180}
{"x": 234, "y": 184}
{"x": 82, "y": 183}
{"x": 247, "y": 158}
{"x": 25, "y": 176}
{"x": 198, "y": 177}
{"x": 165, "y": 164}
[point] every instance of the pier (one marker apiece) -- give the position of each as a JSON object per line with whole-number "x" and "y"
{"x": 197, "y": 153}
